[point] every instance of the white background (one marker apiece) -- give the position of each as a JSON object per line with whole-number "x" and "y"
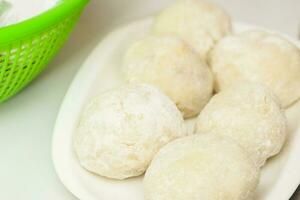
{"x": 27, "y": 120}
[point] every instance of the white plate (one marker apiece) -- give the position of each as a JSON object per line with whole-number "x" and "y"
{"x": 100, "y": 72}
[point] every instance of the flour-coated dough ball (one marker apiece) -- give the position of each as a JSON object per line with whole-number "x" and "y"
{"x": 121, "y": 130}
{"x": 198, "y": 22}
{"x": 258, "y": 56}
{"x": 171, "y": 65}
{"x": 251, "y": 115}
{"x": 198, "y": 167}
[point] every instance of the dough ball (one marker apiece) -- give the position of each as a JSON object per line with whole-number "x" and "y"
{"x": 198, "y": 167}
{"x": 121, "y": 130}
{"x": 249, "y": 114}
{"x": 169, "y": 64}
{"x": 259, "y": 57}
{"x": 198, "y": 22}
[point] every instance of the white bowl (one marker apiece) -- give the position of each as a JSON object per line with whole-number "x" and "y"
{"x": 101, "y": 71}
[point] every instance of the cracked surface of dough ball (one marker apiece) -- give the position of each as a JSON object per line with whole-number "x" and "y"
{"x": 198, "y": 167}
{"x": 251, "y": 115}
{"x": 198, "y": 22}
{"x": 121, "y": 130}
{"x": 172, "y": 66}
{"x": 258, "y": 56}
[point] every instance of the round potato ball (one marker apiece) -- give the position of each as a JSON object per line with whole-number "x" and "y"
{"x": 198, "y": 22}
{"x": 198, "y": 167}
{"x": 171, "y": 65}
{"x": 261, "y": 57}
{"x": 121, "y": 130}
{"x": 251, "y": 115}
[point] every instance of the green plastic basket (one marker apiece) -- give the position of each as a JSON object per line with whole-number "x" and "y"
{"x": 27, "y": 47}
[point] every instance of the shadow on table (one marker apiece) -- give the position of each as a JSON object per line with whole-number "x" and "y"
{"x": 296, "y": 195}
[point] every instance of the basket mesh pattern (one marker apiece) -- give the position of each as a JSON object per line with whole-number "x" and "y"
{"x": 23, "y": 60}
